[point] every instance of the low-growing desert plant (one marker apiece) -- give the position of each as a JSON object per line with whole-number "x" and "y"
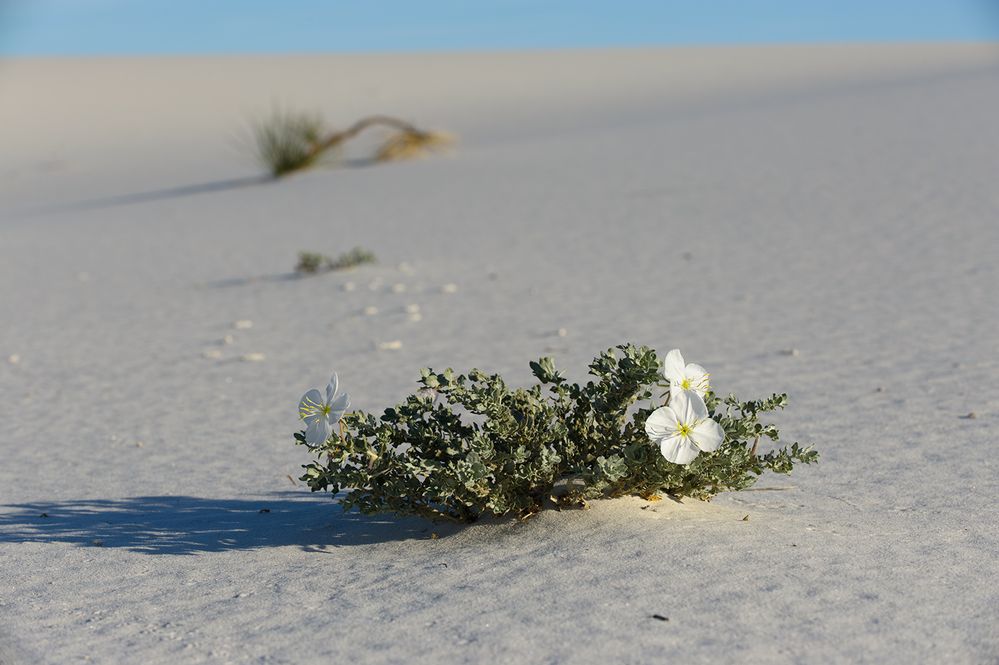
{"x": 292, "y": 141}
{"x": 355, "y": 257}
{"x": 311, "y": 263}
{"x": 467, "y": 445}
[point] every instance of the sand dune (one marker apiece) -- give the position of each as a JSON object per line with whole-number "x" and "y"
{"x": 734, "y": 202}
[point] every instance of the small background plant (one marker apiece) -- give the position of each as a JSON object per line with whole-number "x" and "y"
{"x": 290, "y": 141}
{"x": 467, "y": 445}
{"x": 311, "y": 263}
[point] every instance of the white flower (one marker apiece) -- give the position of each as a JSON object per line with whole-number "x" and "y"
{"x": 684, "y": 377}
{"x": 322, "y": 416}
{"x": 683, "y": 429}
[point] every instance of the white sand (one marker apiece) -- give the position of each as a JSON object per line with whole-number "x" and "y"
{"x": 732, "y": 202}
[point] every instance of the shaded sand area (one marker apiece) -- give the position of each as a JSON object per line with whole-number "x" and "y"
{"x": 820, "y": 220}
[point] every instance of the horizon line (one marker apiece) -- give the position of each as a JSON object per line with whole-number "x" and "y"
{"x": 486, "y": 50}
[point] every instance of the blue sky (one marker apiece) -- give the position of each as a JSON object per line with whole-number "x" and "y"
{"x": 89, "y": 27}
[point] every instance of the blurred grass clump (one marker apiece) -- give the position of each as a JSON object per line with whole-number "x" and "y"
{"x": 313, "y": 263}
{"x": 286, "y": 142}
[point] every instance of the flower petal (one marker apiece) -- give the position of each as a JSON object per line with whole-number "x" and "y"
{"x": 310, "y": 404}
{"x": 688, "y": 406}
{"x": 697, "y": 409}
{"x": 340, "y": 404}
{"x": 338, "y": 408}
{"x": 673, "y": 367}
{"x": 661, "y": 423}
{"x": 698, "y": 377}
{"x": 680, "y": 403}
{"x": 678, "y": 449}
{"x": 698, "y": 405}
{"x": 331, "y": 388}
{"x": 707, "y": 435}
{"x": 318, "y": 432}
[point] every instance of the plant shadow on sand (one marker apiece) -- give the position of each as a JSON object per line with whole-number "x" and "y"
{"x": 230, "y": 282}
{"x": 181, "y": 191}
{"x": 193, "y": 525}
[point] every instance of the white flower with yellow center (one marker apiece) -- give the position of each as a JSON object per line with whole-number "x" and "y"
{"x": 684, "y": 377}
{"x": 321, "y": 416}
{"x": 683, "y": 429}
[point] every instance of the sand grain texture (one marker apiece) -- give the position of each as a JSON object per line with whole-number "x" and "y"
{"x": 736, "y": 203}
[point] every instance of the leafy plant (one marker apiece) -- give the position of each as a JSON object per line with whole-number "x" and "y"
{"x": 311, "y": 263}
{"x": 467, "y": 445}
{"x": 291, "y": 141}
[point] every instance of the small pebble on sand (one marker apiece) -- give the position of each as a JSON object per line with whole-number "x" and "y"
{"x": 449, "y": 288}
{"x": 394, "y": 345}
{"x": 370, "y": 310}
{"x": 790, "y": 352}
{"x": 243, "y": 324}
{"x": 349, "y": 286}
{"x": 211, "y": 353}
{"x": 13, "y": 359}
{"x": 562, "y": 332}
{"x": 399, "y": 288}
{"x": 228, "y": 339}
{"x": 412, "y": 308}
{"x": 253, "y": 357}
{"x": 406, "y": 268}
{"x": 414, "y": 317}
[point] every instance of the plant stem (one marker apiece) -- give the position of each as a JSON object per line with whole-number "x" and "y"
{"x": 336, "y": 138}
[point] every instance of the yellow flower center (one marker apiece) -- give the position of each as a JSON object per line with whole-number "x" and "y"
{"x": 325, "y": 409}
{"x": 685, "y": 384}
{"x": 683, "y": 430}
